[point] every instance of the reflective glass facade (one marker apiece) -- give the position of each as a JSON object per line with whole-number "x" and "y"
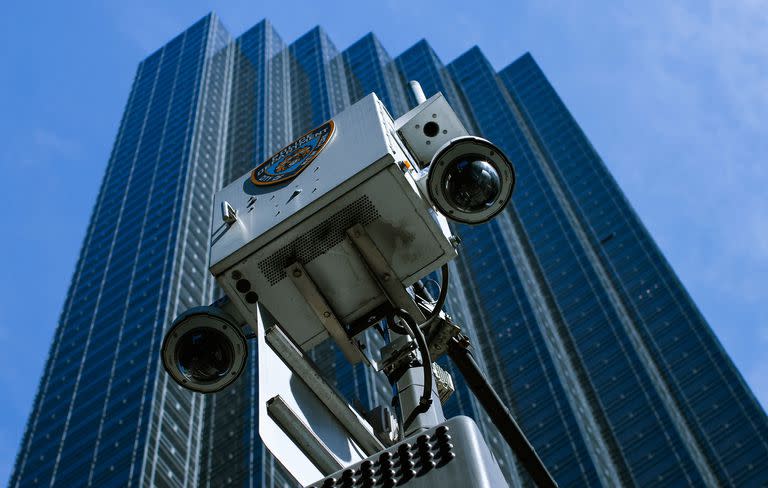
{"x": 105, "y": 413}
{"x": 576, "y": 317}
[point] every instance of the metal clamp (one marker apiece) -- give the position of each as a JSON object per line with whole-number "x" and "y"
{"x": 439, "y": 335}
{"x": 397, "y": 356}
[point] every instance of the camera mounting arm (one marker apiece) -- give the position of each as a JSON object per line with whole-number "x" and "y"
{"x": 412, "y": 386}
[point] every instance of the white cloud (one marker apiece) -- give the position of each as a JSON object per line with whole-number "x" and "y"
{"x": 686, "y": 85}
{"x": 57, "y": 144}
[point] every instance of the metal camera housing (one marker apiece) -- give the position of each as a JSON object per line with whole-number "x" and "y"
{"x": 204, "y": 350}
{"x": 486, "y": 179}
{"x": 285, "y": 244}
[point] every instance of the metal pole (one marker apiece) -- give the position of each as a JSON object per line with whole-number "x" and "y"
{"x": 459, "y": 352}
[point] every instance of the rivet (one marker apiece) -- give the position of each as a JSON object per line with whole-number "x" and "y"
{"x": 326, "y": 314}
{"x": 297, "y": 272}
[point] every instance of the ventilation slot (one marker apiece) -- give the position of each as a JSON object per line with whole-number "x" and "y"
{"x": 318, "y": 240}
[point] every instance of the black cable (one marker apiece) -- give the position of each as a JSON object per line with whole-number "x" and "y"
{"x": 392, "y": 325}
{"x": 440, "y": 298}
{"x": 426, "y": 397}
{"x": 458, "y": 350}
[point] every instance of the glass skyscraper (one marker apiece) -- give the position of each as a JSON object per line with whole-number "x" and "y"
{"x": 576, "y": 317}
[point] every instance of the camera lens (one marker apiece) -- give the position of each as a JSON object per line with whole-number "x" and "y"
{"x": 204, "y": 354}
{"x": 471, "y": 183}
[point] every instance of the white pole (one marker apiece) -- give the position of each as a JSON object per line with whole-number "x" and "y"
{"x": 418, "y": 93}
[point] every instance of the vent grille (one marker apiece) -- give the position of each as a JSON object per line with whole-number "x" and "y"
{"x": 319, "y": 239}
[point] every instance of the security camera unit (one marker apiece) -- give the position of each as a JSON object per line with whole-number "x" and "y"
{"x": 204, "y": 350}
{"x": 329, "y": 236}
{"x": 363, "y": 168}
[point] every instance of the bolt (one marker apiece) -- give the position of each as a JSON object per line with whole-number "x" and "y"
{"x": 326, "y": 314}
{"x": 297, "y": 272}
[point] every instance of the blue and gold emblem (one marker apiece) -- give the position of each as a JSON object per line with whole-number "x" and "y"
{"x": 291, "y": 160}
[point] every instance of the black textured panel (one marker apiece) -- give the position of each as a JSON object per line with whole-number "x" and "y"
{"x": 319, "y": 239}
{"x": 398, "y": 464}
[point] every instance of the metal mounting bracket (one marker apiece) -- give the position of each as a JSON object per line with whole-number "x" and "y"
{"x": 411, "y": 384}
{"x": 382, "y": 272}
{"x": 303, "y": 436}
{"x": 358, "y": 428}
{"x": 324, "y": 312}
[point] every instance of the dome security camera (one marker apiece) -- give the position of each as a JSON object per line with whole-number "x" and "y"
{"x": 204, "y": 350}
{"x": 470, "y": 180}
{"x": 466, "y": 178}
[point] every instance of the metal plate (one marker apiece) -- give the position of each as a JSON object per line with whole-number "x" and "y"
{"x": 277, "y": 378}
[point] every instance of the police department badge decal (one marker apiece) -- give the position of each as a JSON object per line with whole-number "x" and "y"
{"x": 291, "y": 160}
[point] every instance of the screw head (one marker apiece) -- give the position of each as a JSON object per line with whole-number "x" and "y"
{"x": 326, "y": 314}
{"x": 297, "y": 273}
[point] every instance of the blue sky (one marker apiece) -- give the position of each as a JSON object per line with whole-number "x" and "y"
{"x": 674, "y": 96}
